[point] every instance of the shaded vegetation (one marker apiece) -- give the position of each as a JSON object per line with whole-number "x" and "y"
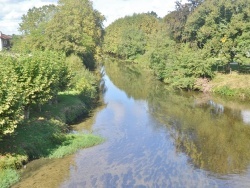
{"x": 45, "y": 133}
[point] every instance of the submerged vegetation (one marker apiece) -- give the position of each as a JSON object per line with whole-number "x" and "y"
{"x": 196, "y": 41}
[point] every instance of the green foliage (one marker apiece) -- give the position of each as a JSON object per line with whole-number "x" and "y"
{"x": 225, "y": 90}
{"x": 28, "y": 80}
{"x": 12, "y": 161}
{"x": 71, "y": 27}
{"x": 220, "y": 26}
{"x": 10, "y": 99}
{"x": 133, "y": 43}
{"x": 128, "y": 37}
{"x": 33, "y": 28}
{"x": 83, "y": 82}
{"x": 179, "y": 66}
{"x": 45, "y": 133}
{"x": 188, "y": 43}
{"x": 85, "y": 31}
{"x": 42, "y": 75}
{"x": 73, "y": 143}
{"x": 8, "y": 177}
{"x": 35, "y": 17}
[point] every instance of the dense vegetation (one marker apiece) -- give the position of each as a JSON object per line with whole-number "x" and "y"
{"x": 194, "y": 41}
{"x": 46, "y": 84}
{"x": 72, "y": 27}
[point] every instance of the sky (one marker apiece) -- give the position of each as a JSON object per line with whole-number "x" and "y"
{"x": 12, "y": 10}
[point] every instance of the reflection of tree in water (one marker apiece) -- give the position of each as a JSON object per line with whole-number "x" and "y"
{"x": 212, "y": 135}
{"x": 220, "y": 144}
{"x": 136, "y": 82}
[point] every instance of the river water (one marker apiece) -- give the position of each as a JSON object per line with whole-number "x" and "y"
{"x": 154, "y": 138}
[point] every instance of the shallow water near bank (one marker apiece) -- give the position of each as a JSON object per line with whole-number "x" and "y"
{"x": 154, "y": 138}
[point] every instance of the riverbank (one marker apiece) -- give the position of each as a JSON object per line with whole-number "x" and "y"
{"x": 46, "y": 135}
{"x": 232, "y": 85}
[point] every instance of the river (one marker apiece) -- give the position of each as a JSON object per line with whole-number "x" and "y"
{"x": 154, "y": 138}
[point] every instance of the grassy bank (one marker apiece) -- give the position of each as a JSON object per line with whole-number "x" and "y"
{"x": 46, "y": 134}
{"x": 231, "y": 85}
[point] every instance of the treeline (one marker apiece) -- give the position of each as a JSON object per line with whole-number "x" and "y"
{"x": 189, "y": 43}
{"x": 55, "y": 52}
{"x": 71, "y": 27}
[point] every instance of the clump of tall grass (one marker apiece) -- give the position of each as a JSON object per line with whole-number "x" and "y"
{"x": 8, "y": 177}
{"x": 73, "y": 143}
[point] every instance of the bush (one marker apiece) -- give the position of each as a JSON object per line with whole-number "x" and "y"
{"x": 83, "y": 81}
{"x": 225, "y": 90}
{"x": 8, "y": 177}
{"x": 27, "y": 80}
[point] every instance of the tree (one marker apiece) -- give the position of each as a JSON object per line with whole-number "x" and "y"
{"x": 76, "y": 28}
{"x": 33, "y": 28}
{"x": 128, "y": 37}
{"x": 35, "y": 17}
{"x": 132, "y": 44}
{"x": 176, "y": 20}
{"x": 11, "y": 112}
{"x": 219, "y": 26}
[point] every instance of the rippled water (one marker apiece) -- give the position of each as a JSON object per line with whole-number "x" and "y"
{"x": 155, "y": 138}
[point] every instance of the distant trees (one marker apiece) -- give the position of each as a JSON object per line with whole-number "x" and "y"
{"x": 33, "y": 27}
{"x": 72, "y": 27}
{"x": 75, "y": 28}
{"x": 187, "y": 43}
{"x": 128, "y": 37}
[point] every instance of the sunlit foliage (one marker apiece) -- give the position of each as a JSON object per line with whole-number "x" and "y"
{"x": 188, "y": 43}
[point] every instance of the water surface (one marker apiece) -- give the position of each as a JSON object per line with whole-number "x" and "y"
{"x": 157, "y": 138}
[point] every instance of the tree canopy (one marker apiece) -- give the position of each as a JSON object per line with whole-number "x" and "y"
{"x": 128, "y": 37}
{"x": 72, "y": 27}
{"x": 188, "y": 43}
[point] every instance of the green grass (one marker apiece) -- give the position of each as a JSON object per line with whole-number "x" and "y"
{"x": 232, "y": 85}
{"x": 73, "y": 143}
{"x": 68, "y": 108}
{"x": 45, "y": 135}
{"x": 8, "y": 177}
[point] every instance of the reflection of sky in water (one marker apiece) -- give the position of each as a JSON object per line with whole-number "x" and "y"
{"x": 246, "y": 116}
{"x": 219, "y": 108}
{"x": 139, "y": 151}
{"x": 143, "y": 145}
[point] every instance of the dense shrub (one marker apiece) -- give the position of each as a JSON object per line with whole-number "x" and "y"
{"x": 26, "y": 80}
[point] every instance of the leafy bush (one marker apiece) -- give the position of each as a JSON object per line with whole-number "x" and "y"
{"x": 225, "y": 90}
{"x": 83, "y": 81}
{"x": 27, "y": 80}
{"x": 8, "y": 177}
